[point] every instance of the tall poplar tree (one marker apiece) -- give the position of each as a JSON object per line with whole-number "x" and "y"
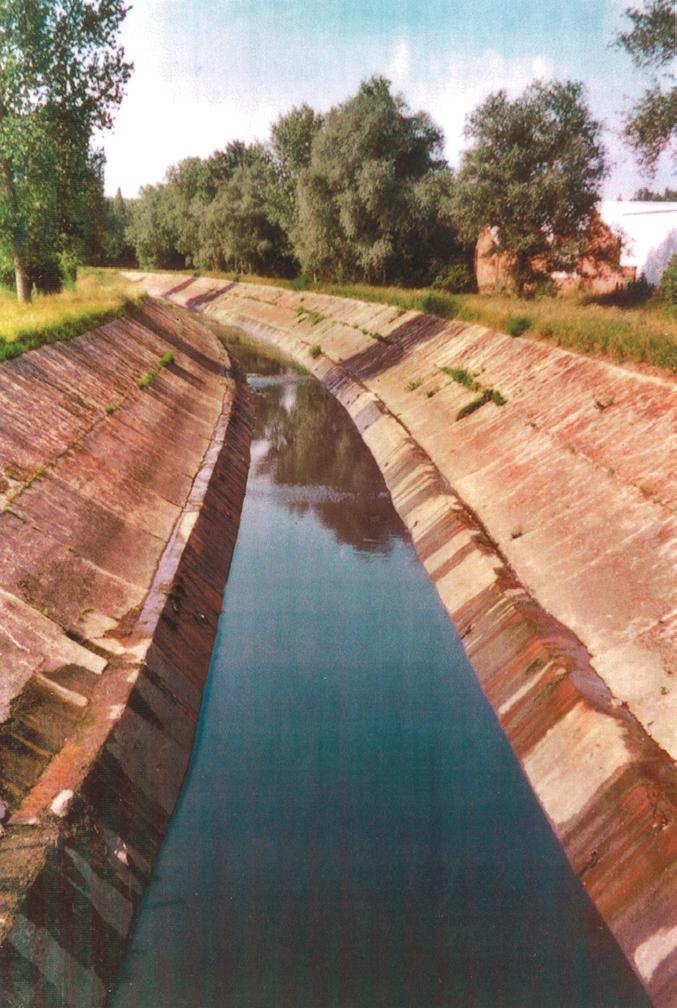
{"x": 62, "y": 75}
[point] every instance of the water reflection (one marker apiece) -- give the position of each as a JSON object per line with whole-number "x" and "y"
{"x": 304, "y": 445}
{"x": 355, "y": 831}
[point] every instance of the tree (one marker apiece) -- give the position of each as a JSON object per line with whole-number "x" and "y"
{"x": 533, "y": 176}
{"x": 291, "y": 142}
{"x": 360, "y": 197}
{"x": 651, "y": 126}
{"x": 647, "y": 195}
{"x": 62, "y": 74}
{"x": 235, "y": 229}
{"x": 116, "y": 249}
{"x": 152, "y": 229}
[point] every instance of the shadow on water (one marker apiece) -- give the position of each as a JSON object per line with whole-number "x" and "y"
{"x": 355, "y": 831}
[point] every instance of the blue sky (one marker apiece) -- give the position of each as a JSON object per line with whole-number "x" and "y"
{"x": 210, "y": 72}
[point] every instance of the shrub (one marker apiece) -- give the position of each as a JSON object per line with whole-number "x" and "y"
{"x": 515, "y": 325}
{"x": 667, "y": 288}
{"x": 315, "y": 350}
{"x": 463, "y": 377}
{"x": 456, "y": 279}
{"x": 437, "y": 304}
{"x": 300, "y": 283}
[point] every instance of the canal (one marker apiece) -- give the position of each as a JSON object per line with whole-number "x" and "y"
{"x": 354, "y": 831}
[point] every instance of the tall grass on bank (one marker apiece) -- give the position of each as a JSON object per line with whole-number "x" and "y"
{"x": 645, "y": 333}
{"x": 97, "y": 296}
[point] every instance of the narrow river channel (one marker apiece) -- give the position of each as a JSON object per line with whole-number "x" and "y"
{"x": 355, "y": 831}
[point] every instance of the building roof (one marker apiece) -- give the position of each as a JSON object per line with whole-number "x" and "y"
{"x": 650, "y": 230}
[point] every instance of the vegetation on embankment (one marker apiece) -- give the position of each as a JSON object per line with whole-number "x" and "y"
{"x": 645, "y": 332}
{"x": 96, "y": 297}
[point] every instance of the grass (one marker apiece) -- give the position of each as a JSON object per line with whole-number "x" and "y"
{"x": 469, "y": 381}
{"x": 517, "y": 325}
{"x": 645, "y": 332}
{"x": 146, "y": 379}
{"x": 164, "y": 361}
{"x": 314, "y": 316}
{"x": 97, "y": 297}
{"x": 463, "y": 377}
{"x": 489, "y": 395}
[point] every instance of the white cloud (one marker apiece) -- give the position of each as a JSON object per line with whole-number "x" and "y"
{"x": 201, "y": 82}
{"x": 399, "y": 68}
{"x": 456, "y": 87}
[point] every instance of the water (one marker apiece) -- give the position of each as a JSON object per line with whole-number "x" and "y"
{"x": 355, "y": 831}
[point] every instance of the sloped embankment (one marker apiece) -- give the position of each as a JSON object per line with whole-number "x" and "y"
{"x": 121, "y": 508}
{"x": 538, "y": 486}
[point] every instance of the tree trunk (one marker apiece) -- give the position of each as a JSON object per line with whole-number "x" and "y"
{"x": 23, "y": 284}
{"x": 522, "y": 265}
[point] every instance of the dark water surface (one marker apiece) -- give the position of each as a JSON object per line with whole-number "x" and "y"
{"x": 355, "y": 831}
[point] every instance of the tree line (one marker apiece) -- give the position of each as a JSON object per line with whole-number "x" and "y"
{"x": 359, "y": 193}
{"x": 364, "y": 193}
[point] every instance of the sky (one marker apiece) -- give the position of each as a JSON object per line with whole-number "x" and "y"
{"x": 211, "y": 71}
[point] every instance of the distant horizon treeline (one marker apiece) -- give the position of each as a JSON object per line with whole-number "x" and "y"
{"x": 361, "y": 193}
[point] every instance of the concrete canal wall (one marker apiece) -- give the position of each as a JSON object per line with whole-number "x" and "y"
{"x": 121, "y": 508}
{"x": 547, "y": 524}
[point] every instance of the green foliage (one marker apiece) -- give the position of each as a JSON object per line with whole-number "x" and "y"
{"x": 475, "y": 404}
{"x": 370, "y": 203}
{"x": 300, "y": 283}
{"x": 455, "y": 279}
{"x": 61, "y": 76}
{"x": 150, "y": 375}
{"x": 236, "y": 231}
{"x": 489, "y": 395}
{"x": 116, "y": 249}
{"x": 667, "y": 289}
{"x": 651, "y": 125}
{"x": 152, "y": 230}
{"x": 437, "y": 304}
{"x": 463, "y": 377}
{"x": 145, "y": 380}
{"x": 517, "y": 325}
{"x": 213, "y": 213}
{"x": 308, "y": 313}
{"x": 291, "y": 141}
{"x": 533, "y": 175}
{"x": 315, "y": 350}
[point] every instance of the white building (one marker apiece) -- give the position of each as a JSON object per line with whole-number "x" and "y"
{"x": 650, "y": 231}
